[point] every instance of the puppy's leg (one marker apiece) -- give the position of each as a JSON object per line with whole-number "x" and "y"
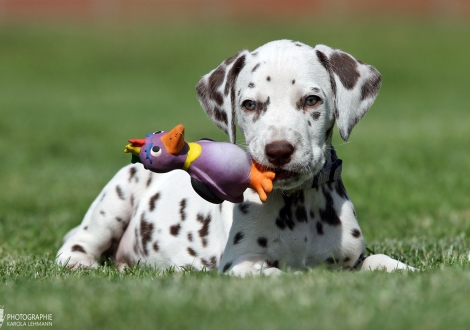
{"x": 106, "y": 219}
{"x": 383, "y": 262}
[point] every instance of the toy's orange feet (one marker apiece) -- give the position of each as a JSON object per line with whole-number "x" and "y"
{"x": 261, "y": 181}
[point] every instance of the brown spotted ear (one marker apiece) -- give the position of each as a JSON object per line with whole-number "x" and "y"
{"x": 354, "y": 84}
{"x": 216, "y": 93}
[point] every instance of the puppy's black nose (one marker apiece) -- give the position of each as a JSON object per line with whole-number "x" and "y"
{"x": 279, "y": 152}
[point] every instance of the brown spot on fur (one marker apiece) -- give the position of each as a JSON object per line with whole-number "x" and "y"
{"x": 155, "y": 246}
{"x": 326, "y": 64}
{"x": 230, "y": 60}
{"x": 261, "y": 108}
{"x": 268, "y": 78}
{"x": 120, "y": 193}
{"x": 315, "y": 115}
{"x": 175, "y": 229}
{"x": 190, "y": 237}
{"x": 204, "y": 231}
{"x": 272, "y": 264}
{"x": 153, "y": 201}
{"x": 255, "y": 67}
{"x": 209, "y": 264}
{"x": 243, "y": 207}
{"x": 233, "y": 127}
{"x": 78, "y": 248}
{"x": 103, "y": 213}
{"x": 372, "y": 85}
{"x": 233, "y": 73}
{"x": 262, "y": 241}
{"x": 146, "y": 231}
{"x": 346, "y": 68}
{"x": 238, "y": 237}
{"x": 213, "y": 261}
{"x": 217, "y": 97}
{"x": 293, "y": 81}
{"x": 85, "y": 228}
{"x": 227, "y": 266}
{"x": 356, "y": 233}
{"x": 182, "y": 207}
{"x": 319, "y": 227}
{"x": 215, "y": 81}
{"x": 192, "y": 252}
{"x": 219, "y": 115}
{"x": 299, "y": 105}
{"x": 149, "y": 180}
{"x": 329, "y": 214}
{"x": 285, "y": 214}
{"x": 301, "y": 214}
{"x": 132, "y": 172}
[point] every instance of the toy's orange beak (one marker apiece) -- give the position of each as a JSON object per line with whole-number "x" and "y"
{"x": 174, "y": 140}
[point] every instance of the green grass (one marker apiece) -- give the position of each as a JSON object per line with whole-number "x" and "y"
{"x": 71, "y": 96}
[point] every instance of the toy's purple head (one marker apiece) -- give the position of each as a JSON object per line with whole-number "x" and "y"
{"x": 161, "y": 151}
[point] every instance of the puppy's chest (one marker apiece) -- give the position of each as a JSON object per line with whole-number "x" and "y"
{"x": 302, "y": 227}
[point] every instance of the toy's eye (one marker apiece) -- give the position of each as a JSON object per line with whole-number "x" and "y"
{"x": 312, "y": 100}
{"x": 249, "y": 105}
{"x": 157, "y": 132}
{"x": 156, "y": 151}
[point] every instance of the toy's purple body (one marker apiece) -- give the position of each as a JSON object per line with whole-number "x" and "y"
{"x": 224, "y": 168}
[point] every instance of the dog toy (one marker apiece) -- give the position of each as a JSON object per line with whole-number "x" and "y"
{"x": 219, "y": 170}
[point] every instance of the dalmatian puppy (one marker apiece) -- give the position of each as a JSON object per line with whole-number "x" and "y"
{"x": 286, "y": 97}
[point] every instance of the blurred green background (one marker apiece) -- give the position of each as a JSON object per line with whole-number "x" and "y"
{"x": 74, "y": 89}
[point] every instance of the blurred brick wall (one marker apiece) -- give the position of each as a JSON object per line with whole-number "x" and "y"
{"x": 138, "y": 9}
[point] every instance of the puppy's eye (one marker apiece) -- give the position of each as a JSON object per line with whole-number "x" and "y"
{"x": 156, "y": 151}
{"x": 312, "y": 100}
{"x": 249, "y": 105}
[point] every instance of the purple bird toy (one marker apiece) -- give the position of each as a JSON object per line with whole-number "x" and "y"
{"x": 219, "y": 170}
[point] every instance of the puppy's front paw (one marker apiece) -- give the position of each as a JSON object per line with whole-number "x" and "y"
{"x": 76, "y": 258}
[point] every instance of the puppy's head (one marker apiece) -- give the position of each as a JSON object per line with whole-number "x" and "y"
{"x": 286, "y": 97}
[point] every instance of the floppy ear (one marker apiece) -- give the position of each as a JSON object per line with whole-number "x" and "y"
{"x": 354, "y": 84}
{"x": 216, "y": 93}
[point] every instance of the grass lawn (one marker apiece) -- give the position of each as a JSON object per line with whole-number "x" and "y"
{"x": 71, "y": 96}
